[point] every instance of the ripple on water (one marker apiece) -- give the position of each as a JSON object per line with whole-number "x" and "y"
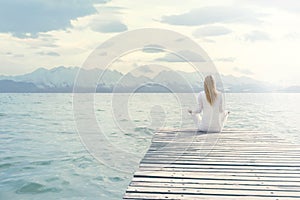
{"x": 145, "y": 130}
{"x": 5, "y": 166}
{"x": 98, "y": 178}
{"x": 47, "y": 162}
{"x": 52, "y": 179}
{"x": 13, "y": 157}
{"x": 36, "y": 188}
{"x": 115, "y": 179}
{"x": 24, "y": 115}
{"x": 58, "y": 180}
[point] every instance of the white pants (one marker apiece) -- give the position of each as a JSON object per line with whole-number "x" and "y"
{"x": 206, "y": 127}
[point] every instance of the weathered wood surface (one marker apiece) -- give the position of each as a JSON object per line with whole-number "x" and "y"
{"x": 233, "y": 164}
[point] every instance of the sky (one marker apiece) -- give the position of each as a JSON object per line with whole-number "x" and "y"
{"x": 255, "y": 38}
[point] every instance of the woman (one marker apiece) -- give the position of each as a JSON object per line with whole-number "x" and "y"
{"x": 212, "y": 105}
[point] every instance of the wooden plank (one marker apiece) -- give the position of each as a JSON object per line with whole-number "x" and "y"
{"x": 216, "y": 186}
{"x": 214, "y": 151}
{"x": 152, "y": 196}
{"x": 215, "y": 191}
{"x": 223, "y": 170}
{"x": 208, "y": 157}
{"x": 171, "y": 160}
{"x": 227, "y": 156}
{"x": 213, "y": 147}
{"x": 217, "y": 153}
{"x": 218, "y": 143}
{"x": 212, "y": 166}
{"x": 220, "y": 181}
{"x": 228, "y": 163}
{"x": 209, "y": 175}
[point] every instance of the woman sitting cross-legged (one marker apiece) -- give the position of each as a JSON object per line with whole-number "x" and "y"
{"x": 211, "y": 105}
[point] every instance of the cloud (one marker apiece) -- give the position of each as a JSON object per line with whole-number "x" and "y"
{"x": 211, "y": 31}
{"x": 153, "y": 48}
{"x": 182, "y": 55}
{"x": 28, "y": 18}
{"x": 213, "y": 14}
{"x": 110, "y": 9}
{"x": 255, "y": 36}
{"x": 228, "y": 59}
{"x": 292, "y": 36}
{"x": 107, "y": 20}
{"x": 243, "y": 71}
{"x": 145, "y": 69}
{"x": 208, "y": 40}
{"x": 50, "y": 53}
{"x": 8, "y": 53}
{"x": 104, "y": 26}
{"x": 19, "y": 55}
{"x": 288, "y": 5}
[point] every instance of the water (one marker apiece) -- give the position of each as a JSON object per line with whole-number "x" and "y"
{"x": 42, "y": 157}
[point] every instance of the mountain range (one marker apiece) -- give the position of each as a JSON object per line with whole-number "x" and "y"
{"x": 63, "y": 79}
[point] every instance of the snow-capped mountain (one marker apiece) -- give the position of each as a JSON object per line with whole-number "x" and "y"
{"x": 43, "y": 78}
{"x": 62, "y": 79}
{"x": 65, "y": 77}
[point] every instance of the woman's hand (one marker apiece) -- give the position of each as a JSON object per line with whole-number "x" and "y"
{"x": 190, "y": 111}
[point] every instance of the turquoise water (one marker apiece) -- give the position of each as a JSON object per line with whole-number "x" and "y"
{"x": 42, "y": 156}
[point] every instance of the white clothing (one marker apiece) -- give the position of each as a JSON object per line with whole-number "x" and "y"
{"x": 213, "y": 117}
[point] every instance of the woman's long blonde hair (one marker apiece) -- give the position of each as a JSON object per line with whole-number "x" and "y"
{"x": 210, "y": 89}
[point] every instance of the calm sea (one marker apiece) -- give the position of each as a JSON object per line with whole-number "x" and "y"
{"x": 42, "y": 156}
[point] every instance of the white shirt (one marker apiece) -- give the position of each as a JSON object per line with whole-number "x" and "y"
{"x": 213, "y": 116}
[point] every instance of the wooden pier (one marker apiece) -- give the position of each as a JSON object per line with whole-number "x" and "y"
{"x": 229, "y": 165}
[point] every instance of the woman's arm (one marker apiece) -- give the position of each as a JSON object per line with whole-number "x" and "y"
{"x": 200, "y": 104}
{"x": 221, "y": 105}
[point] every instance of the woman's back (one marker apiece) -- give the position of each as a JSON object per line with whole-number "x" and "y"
{"x": 212, "y": 114}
